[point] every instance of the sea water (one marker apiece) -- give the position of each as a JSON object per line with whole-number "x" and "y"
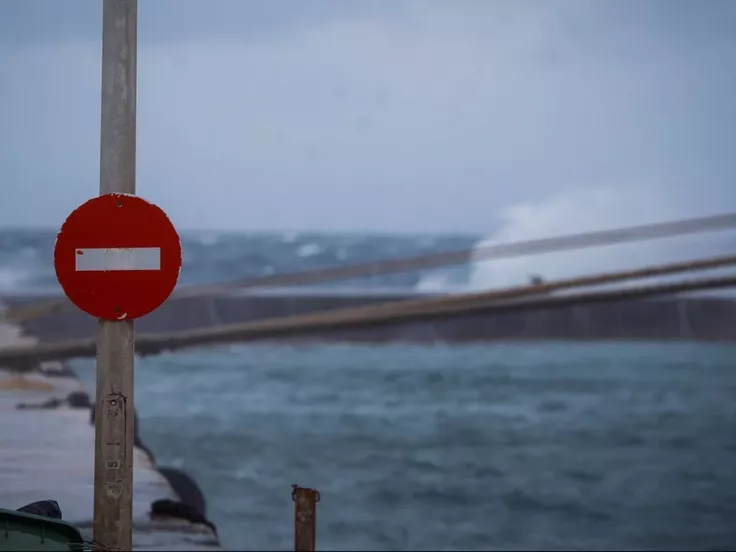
{"x": 523, "y": 446}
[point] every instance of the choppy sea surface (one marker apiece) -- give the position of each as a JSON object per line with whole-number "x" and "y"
{"x": 518, "y": 446}
{"x": 584, "y": 446}
{"x": 26, "y": 257}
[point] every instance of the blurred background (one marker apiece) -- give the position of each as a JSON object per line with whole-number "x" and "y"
{"x": 285, "y": 136}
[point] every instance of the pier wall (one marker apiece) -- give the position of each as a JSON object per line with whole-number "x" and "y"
{"x": 706, "y": 319}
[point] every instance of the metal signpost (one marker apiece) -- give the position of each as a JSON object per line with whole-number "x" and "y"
{"x": 117, "y": 257}
{"x": 114, "y": 433}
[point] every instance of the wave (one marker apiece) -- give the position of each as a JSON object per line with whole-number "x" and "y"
{"x": 584, "y": 211}
{"x": 308, "y": 250}
{"x": 207, "y": 238}
{"x": 26, "y": 258}
{"x": 12, "y": 278}
{"x": 213, "y": 256}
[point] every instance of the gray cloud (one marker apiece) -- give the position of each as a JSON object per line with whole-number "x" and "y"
{"x": 412, "y": 116}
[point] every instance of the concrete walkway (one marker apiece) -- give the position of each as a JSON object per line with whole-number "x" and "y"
{"x": 48, "y": 453}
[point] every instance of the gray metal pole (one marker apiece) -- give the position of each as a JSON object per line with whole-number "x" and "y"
{"x": 113, "y": 496}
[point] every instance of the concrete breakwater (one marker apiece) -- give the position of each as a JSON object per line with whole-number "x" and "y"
{"x": 46, "y": 424}
{"x": 675, "y": 318}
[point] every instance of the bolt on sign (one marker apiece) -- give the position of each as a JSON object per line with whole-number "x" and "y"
{"x": 117, "y": 257}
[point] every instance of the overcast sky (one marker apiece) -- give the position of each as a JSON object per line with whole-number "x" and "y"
{"x": 380, "y": 115}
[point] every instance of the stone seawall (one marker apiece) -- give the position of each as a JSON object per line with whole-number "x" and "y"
{"x": 707, "y": 319}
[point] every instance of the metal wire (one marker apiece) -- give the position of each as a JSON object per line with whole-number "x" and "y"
{"x": 490, "y": 303}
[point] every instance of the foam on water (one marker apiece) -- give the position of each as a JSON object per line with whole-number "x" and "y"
{"x": 26, "y": 258}
{"x": 11, "y": 278}
{"x": 308, "y": 250}
{"x": 436, "y": 283}
{"x": 585, "y": 211}
{"x": 205, "y": 237}
{"x": 290, "y": 237}
{"x": 211, "y": 256}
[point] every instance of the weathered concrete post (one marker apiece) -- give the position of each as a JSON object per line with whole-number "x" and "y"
{"x": 113, "y": 501}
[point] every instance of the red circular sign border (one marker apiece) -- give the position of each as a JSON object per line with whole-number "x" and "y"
{"x": 117, "y": 221}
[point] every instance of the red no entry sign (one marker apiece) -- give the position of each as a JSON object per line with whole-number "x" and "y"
{"x": 117, "y": 257}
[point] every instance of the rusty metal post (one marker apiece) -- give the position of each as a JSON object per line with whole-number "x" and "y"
{"x": 305, "y": 518}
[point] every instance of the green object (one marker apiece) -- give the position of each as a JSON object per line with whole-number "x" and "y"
{"x": 21, "y": 532}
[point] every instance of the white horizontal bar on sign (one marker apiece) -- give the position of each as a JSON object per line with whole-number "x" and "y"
{"x": 135, "y": 258}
